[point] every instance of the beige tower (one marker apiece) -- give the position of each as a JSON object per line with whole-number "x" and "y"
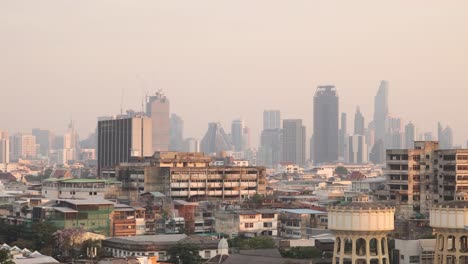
{"x": 361, "y": 229}
{"x": 450, "y": 223}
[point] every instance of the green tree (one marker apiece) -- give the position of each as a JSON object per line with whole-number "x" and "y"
{"x": 341, "y": 171}
{"x": 301, "y": 253}
{"x": 184, "y": 253}
{"x": 260, "y": 242}
{"x": 5, "y": 257}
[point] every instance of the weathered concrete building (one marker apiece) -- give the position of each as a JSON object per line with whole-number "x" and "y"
{"x": 184, "y": 175}
{"x": 426, "y": 175}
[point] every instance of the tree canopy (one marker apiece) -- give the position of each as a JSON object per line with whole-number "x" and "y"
{"x": 184, "y": 253}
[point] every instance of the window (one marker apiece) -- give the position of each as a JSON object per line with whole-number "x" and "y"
{"x": 268, "y": 224}
{"x": 414, "y": 259}
{"x": 95, "y": 193}
{"x": 90, "y": 193}
{"x": 207, "y": 254}
{"x": 248, "y": 225}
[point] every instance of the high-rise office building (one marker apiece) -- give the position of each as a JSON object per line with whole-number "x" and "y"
{"x": 215, "y": 140}
{"x": 343, "y": 139}
{"x": 357, "y": 149}
{"x": 177, "y": 133}
{"x": 381, "y": 111}
{"x": 237, "y": 134}
{"x": 359, "y": 125}
{"x": 4, "y": 147}
{"x": 45, "y": 139}
{"x": 294, "y": 134}
{"x": 410, "y": 134}
{"x": 428, "y": 136}
{"x": 191, "y": 145}
{"x": 445, "y": 137}
{"x": 22, "y": 146}
{"x": 271, "y": 147}
{"x": 120, "y": 139}
{"x": 271, "y": 119}
{"x": 70, "y": 144}
{"x": 246, "y": 139}
{"x": 394, "y": 135}
{"x": 325, "y": 125}
{"x": 157, "y": 107}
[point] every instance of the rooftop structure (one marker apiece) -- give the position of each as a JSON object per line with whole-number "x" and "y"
{"x": 450, "y": 223}
{"x": 361, "y": 229}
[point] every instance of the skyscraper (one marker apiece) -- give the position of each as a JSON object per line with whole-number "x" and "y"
{"x": 177, "y": 133}
{"x": 394, "y": 135}
{"x": 271, "y": 119}
{"x": 343, "y": 138}
{"x": 4, "y": 147}
{"x": 45, "y": 139}
{"x": 357, "y": 149}
{"x": 445, "y": 136}
{"x": 294, "y": 141}
{"x": 70, "y": 143}
{"x": 271, "y": 147}
{"x": 157, "y": 107}
{"x": 359, "y": 122}
{"x": 22, "y": 146}
{"x": 215, "y": 140}
{"x": 381, "y": 111}
{"x": 410, "y": 135}
{"x": 120, "y": 139}
{"x": 325, "y": 125}
{"x": 191, "y": 145}
{"x": 237, "y": 134}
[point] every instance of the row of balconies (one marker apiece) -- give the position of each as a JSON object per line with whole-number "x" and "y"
{"x": 212, "y": 184}
{"x": 213, "y": 193}
{"x": 215, "y": 177}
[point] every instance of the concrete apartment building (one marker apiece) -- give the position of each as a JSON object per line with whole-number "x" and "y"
{"x": 54, "y": 188}
{"x": 22, "y": 146}
{"x": 299, "y": 223}
{"x": 250, "y": 223}
{"x": 414, "y": 251}
{"x": 157, "y": 108}
{"x": 426, "y": 175}
{"x": 189, "y": 176}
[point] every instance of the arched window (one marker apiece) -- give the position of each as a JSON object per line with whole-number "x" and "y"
{"x": 361, "y": 247}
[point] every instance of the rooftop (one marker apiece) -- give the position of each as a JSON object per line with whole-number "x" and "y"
{"x": 303, "y": 211}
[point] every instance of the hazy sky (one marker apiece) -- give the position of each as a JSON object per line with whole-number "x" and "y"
{"x": 220, "y": 60}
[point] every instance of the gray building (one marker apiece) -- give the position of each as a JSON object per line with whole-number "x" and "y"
{"x": 120, "y": 139}
{"x": 359, "y": 124}
{"x": 445, "y": 136}
{"x": 45, "y": 139}
{"x": 177, "y": 133}
{"x": 271, "y": 147}
{"x": 157, "y": 107}
{"x": 357, "y": 149}
{"x": 410, "y": 135}
{"x": 191, "y": 145}
{"x": 215, "y": 139}
{"x": 271, "y": 119}
{"x": 325, "y": 125}
{"x": 381, "y": 111}
{"x": 237, "y": 134}
{"x": 294, "y": 146}
{"x": 342, "y": 139}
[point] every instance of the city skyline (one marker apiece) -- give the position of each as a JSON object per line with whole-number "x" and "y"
{"x": 186, "y": 50}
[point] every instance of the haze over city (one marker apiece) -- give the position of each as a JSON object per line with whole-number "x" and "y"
{"x": 218, "y": 61}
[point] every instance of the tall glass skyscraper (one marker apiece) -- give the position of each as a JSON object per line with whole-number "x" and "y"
{"x": 325, "y": 124}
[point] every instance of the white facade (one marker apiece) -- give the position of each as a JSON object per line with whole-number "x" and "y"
{"x": 78, "y": 188}
{"x": 248, "y": 223}
{"x": 23, "y": 146}
{"x": 357, "y": 149}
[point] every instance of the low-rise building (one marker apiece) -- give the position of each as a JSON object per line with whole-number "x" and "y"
{"x": 414, "y": 251}
{"x": 128, "y": 220}
{"x": 249, "y": 223}
{"x": 299, "y": 223}
{"x": 55, "y": 188}
{"x": 158, "y": 245}
{"x": 89, "y": 214}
